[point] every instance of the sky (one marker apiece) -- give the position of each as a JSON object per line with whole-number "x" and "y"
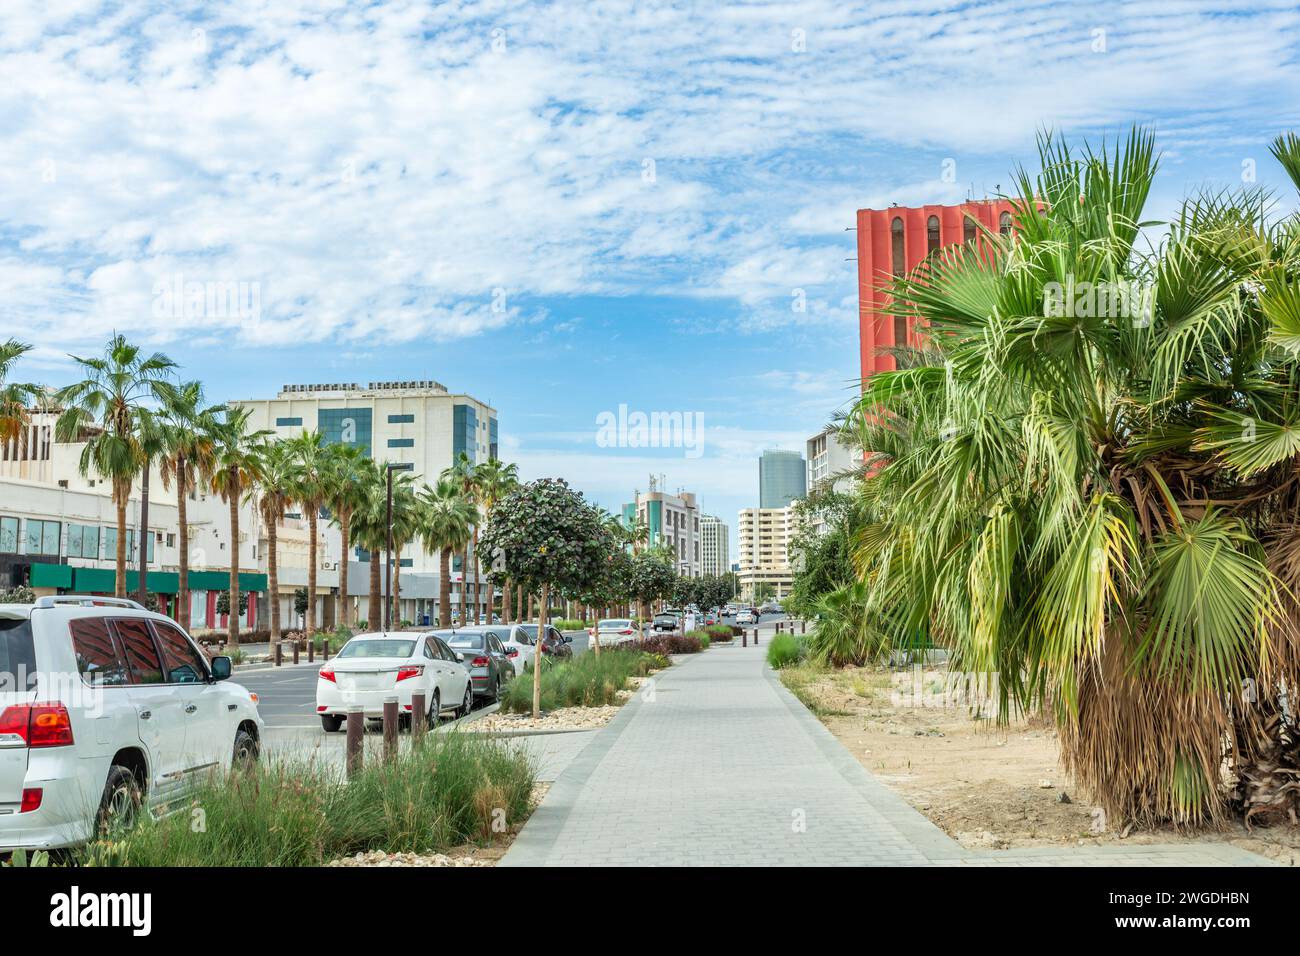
{"x": 563, "y": 208}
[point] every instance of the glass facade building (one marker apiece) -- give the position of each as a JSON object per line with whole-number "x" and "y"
{"x": 782, "y": 478}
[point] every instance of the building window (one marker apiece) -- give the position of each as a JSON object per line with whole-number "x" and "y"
{"x": 288, "y": 423}
{"x": 932, "y": 234}
{"x": 347, "y": 426}
{"x": 968, "y": 230}
{"x": 132, "y": 546}
{"x": 1004, "y": 224}
{"x": 401, "y": 443}
{"x": 401, "y": 419}
{"x": 898, "y": 248}
{"x": 43, "y": 537}
{"x": 9, "y": 535}
{"x": 403, "y": 466}
{"x": 83, "y": 541}
{"x": 464, "y": 432}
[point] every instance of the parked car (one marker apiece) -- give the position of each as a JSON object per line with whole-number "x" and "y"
{"x": 106, "y": 707}
{"x": 490, "y": 667}
{"x": 667, "y": 621}
{"x": 371, "y": 667}
{"x": 746, "y": 615}
{"x": 613, "y": 631}
{"x": 555, "y": 644}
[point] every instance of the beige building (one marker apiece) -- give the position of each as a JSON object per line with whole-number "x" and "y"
{"x": 715, "y": 546}
{"x": 672, "y": 521}
{"x": 764, "y": 539}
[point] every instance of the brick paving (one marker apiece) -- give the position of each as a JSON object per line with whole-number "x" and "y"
{"x": 718, "y": 764}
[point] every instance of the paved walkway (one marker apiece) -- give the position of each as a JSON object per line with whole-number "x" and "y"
{"x": 718, "y": 764}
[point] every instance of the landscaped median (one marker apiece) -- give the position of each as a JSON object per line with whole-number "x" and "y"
{"x": 452, "y": 793}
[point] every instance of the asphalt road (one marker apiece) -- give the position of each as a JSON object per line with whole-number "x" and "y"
{"x": 287, "y": 695}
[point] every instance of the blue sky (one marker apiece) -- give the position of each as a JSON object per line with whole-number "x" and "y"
{"x": 561, "y": 208}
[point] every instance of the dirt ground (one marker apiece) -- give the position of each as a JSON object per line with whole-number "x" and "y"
{"x": 988, "y": 787}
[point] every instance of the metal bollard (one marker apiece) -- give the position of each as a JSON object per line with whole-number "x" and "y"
{"x": 325, "y": 648}
{"x": 744, "y": 638}
{"x": 418, "y": 709}
{"x": 356, "y": 739}
{"x": 803, "y": 627}
{"x": 311, "y": 652}
{"x": 390, "y": 729}
{"x": 779, "y": 626}
{"x": 295, "y": 652}
{"x": 756, "y": 637}
{"x": 279, "y": 653}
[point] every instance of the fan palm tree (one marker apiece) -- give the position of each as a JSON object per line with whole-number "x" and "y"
{"x": 104, "y": 410}
{"x": 310, "y": 489}
{"x": 274, "y": 490}
{"x": 1097, "y": 504}
{"x": 15, "y": 397}
{"x": 407, "y": 520}
{"x": 447, "y": 517}
{"x": 495, "y": 480}
{"x": 236, "y": 466}
{"x": 186, "y": 463}
{"x": 465, "y": 474}
{"x": 345, "y": 468}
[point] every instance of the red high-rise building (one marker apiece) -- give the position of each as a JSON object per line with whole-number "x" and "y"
{"x": 893, "y": 241}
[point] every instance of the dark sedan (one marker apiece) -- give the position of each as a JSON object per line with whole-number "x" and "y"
{"x": 490, "y": 668}
{"x": 556, "y": 644}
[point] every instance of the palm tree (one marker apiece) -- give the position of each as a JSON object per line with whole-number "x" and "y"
{"x": 236, "y": 466}
{"x": 104, "y": 408}
{"x": 274, "y": 490}
{"x": 447, "y": 518}
{"x": 407, "y": 520}
{"x": 186, "y": 461}
{"x": 14, "y": 396}
{"x": 345, "y": 468}
{"x": 369, "y": 525}
{"x": 465, "y": 474}
{"x": 495, "y": 481}
{"x": 310, "y": 489}
{"x": 1097, "y": 504}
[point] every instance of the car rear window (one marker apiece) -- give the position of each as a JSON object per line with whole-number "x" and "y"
{"x": 613, "y": 625}
{"x": 377, "y": 649}
{"x": 141, "y": 652}
{"x": 466, "y": 640}
{"x": 17, "y": 655}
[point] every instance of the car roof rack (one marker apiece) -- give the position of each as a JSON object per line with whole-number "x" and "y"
{"x": 88, "y": 600}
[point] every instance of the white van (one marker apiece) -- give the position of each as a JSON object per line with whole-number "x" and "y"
{"x": 105, "y": 707}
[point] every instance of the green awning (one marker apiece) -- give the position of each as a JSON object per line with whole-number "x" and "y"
{"x": 51, "y": 576}
{"x": 95, "y": 581}
{"x": 104, "y": 580}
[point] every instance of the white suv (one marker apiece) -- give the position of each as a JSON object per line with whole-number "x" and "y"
{"x": 105, "y": 706}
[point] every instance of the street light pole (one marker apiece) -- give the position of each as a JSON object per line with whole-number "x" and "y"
{"x": 388, "y": 557}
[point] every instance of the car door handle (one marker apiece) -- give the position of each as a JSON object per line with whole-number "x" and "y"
{"x": 191, "y": 708}
{"x": 146, "y": 714}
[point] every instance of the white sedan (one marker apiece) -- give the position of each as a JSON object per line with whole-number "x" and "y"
{"x": 618, "y": 630}
{"x": 372, "y": 667}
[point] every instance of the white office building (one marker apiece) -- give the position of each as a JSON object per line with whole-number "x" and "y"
{"x": 715, "y": 546}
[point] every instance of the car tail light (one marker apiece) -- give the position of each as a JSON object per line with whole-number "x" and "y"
{"x": 38, "y": 725}
{"x": 405, "y": 673}
{"x": 479, "y": 662}
{"x": 327, "y": 673}
{"x": 32, "y": 797}
{"x": 512, "y": 652}
{"x": 628, "y": 631}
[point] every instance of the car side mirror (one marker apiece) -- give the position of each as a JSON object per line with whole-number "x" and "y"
{"x": 460, "y": 657}
{"x": 568, "y": 639}
{"x": 221, "y": 668}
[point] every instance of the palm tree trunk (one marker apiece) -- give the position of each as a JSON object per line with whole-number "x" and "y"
{"x": 373, "y": 610}
{"x": 464, "y": 584}
{"x": 345, "y": 532}
{"x": 507, "y": 600}
{"x": 309, "y": 620}
{"x": 444, "y": 587}
{"x": 273, "y": 582}
{"x": 232, "y": 622}
{"x": 537, "y": 654}
{"x": 183, "y": 590}
{"x": 397, "y": 589}
{"x": 119, "y": 584}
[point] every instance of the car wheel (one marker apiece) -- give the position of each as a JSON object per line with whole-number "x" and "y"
{"x": 467, "y": 704}
{"x": 435, "y": 710}
{"x": 496, "y": 691}
{"x": 331, "y": 722}
{"x": 246, "y": 750}
{"x": 120, "y": 806}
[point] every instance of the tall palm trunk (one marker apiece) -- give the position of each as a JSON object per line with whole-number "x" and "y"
{"x": 444, "y": 587}
{"x": 273, "y": 582}
{"x": 232, "y": 621}
{"x": 119, "y": 584}
{"x": 478, "y": 584}
{"x": 397, "y": 590}
{"x": 464, "y": 584}
{"x": 345, "y": 532}
{"x": 183, "y": 589}
{"x": 373, "y": 608}
{"x": 309, "y": 619}
{"x": 507, "y": 600}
